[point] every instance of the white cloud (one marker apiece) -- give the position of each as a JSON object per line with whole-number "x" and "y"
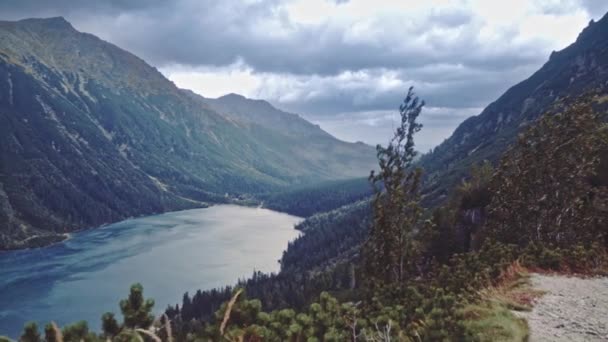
{"x": 324, "y": 58}
{"x": 480, "y": 49}
{"x": 215, "y": 82}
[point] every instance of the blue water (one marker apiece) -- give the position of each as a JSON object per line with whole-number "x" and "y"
{"x": 168, "y": 254}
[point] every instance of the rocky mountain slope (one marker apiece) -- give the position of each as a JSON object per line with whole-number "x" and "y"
{"x": 91, "y": 134}
{"x": 581, "y": 67}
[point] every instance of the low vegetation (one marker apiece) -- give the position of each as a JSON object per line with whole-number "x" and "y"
{"x": 456, "y": 272}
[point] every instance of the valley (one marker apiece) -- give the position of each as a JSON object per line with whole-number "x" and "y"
{"x": 91, "y": 134}
{"x": 133, "y": 209}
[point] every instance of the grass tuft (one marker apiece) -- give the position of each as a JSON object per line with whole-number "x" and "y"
{"x": 492, "y": 317}
{"x": 491, "y": 321}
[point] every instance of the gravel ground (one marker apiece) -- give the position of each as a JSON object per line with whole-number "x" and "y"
{"x": 573, "y": 309}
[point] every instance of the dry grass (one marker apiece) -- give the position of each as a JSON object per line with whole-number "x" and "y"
{"x": 492, "y": 317}
{"x": 150, "y": 334}
{"x": 513, "y": 289}
{"x": 57, "y": 332}
{"x": 602, "y": 99}
{"x": 168, "y": 330}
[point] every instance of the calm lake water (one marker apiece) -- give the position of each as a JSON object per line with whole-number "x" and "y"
{"x": 168, "y": 254}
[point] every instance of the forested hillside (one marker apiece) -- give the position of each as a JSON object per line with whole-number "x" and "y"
{"x": 91, "y": 134}
{"x": 321, "y": 197}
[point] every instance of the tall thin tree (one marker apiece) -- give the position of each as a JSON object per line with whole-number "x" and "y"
{"x": 396, "y": 209}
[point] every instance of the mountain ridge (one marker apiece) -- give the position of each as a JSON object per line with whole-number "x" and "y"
{"x": 91, "y": 134}
{"x": 570, "y": 72}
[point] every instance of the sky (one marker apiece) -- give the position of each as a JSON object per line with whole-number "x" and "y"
{"x": 343, "y": 64}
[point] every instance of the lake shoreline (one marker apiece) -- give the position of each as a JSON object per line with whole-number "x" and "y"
{"x": 93, "y": 269}
{"x": 50, "y": 239}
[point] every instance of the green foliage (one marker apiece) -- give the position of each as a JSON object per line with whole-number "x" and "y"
{"x": 136, "y": 310}
{"x": 78, "y": 331}
{"x": 30, "y": 333}
{"x": 137, "y": 316}
{"x": 475, "y": 192}
{"x": 327, "y": 236}
{"x": 321, "y": 197}
{"x": 491, "y": 321}
{"x": 396, "y": 209}
{"x": 109, "y": 325}
{"x": 542, "y": 189}
{"x": 590, "y": 257}
{"x": 326, "y": 320}
{"x": 52, "y": 333}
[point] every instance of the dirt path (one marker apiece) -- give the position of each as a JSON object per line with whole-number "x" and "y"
{"x": 573, "y": 309}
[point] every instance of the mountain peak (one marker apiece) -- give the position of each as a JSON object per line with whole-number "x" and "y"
{"x": 232, "y": 96}
{"x": 594, "y": 30}
{"x": 52, "y": 22}
{"x": 238, "y": 99}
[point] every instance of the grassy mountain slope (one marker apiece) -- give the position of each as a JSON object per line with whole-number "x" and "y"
{"x": 91, "y": 134}
{"x": 307, "y": 139}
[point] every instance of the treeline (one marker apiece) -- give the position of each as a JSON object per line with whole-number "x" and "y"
{"x": 328, "y": 238}
{"x": 321, "y": 197}
{"x": 319, "y": 260}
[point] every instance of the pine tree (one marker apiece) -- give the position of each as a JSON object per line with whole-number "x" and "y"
{"x": 78, "y": 331}
{"x": 52, "y": 333}
{"x": 109, "y": 325}
{"x": 30, "y": 333}
{"x": 136, "y": 311}
{"x": 396, "y": 209}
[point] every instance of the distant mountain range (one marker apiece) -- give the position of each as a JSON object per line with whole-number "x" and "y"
{"x": 571, "y": 72}
{"x": 91, "y": 134}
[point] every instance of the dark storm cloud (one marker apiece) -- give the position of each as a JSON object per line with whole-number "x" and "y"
{"x": 16, "y": 9}
{"x": 439, "y": 86}
{"x": 260, "y": 33}
{"x": 333, "y": 69}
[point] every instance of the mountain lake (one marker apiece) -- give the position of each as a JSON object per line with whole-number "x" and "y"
{"x": 169, "y": 254}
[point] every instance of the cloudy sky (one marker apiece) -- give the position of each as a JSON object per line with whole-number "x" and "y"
{"x": 344, "y": 64}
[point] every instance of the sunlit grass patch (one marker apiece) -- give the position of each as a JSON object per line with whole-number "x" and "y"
{"x": 492, "y": 317}
{"x": 492, "y": 321}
